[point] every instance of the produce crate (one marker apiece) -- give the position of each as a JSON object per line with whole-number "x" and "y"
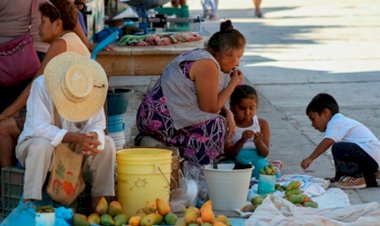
{"x": 12, "y": 185}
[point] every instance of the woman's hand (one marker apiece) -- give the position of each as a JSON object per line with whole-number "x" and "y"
{"x": 236, "y": 77}
{"x": 3, "y": 116}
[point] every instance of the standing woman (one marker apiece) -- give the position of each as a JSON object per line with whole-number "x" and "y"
{"x": 257, "y": 4}
{"x": 185, "y": 107}
{"x": 58, "y": 20}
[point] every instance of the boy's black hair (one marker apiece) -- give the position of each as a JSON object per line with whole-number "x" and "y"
{"x": 242, "y": 92}
{"x": 322, "y": 101}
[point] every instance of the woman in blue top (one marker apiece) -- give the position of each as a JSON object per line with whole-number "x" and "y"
{"x": 250, "y": 145}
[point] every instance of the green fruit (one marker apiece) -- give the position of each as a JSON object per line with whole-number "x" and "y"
{"x": 311, "y": 204}
{"x": 293, "y": 185}
{"x": 121, "y": 219}
{"x": 170, "y": 218}
{"x": 257, "y": 200}
{"x": 93, "y": 218}
{"x": 80, "y": 220}
{"x": 296, "y": 198}
{"x": 296, "y": 191}
{"x": 106, "y": 220}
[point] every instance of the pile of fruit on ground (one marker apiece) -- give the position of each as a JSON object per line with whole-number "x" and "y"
{"x": 155, "y": 212}
{"x": 292, "y": 193}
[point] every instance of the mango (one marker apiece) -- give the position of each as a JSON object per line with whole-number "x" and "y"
{"x": 257, "y": 200}
{"x": 191, "y": 214}
{"x": 80, "y": 220}
{"x": 311, "y": 204}
{"x": 192, "y": 224}
{"x": 163, "y": 207}
{"x": 222, "y": 218}
{"x": 206, "y": 224}
{"x": 218, "y": 223}
{"x": 121, "y": 219}
{"x": 206, "y": 212}
{"x": 293, "y": 185}
{"x": 180, "y": 222}
{"x": 93, "y": 218}
{"x": 114, "y": 208}
{"x": 134, "y": 221}
{"x": 102, "y": 206}
{"x": 151, "y": 219}
{"x": 150, "y": 206}
{"x": 170, "y": 218}
{"x": 296, "y": 191}
{"x": 296, "y": 198}
{"x": 106, "y": 220}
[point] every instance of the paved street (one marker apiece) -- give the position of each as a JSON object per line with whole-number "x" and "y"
{"x": 301, "y": 48}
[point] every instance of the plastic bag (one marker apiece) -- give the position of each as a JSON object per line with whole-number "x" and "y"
{"x": 184, "y": 195}
{"x": 24, "y": 214}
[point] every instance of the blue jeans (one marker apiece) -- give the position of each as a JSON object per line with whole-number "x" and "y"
{"x": 251, "y": 156}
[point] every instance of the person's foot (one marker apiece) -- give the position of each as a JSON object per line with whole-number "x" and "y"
{"x": 213, "y": 17}
{"x": 347, "y": 182}
{"x": 258, "y": 14}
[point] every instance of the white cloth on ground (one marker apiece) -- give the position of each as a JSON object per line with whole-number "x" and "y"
{"x": 280, "y": 212}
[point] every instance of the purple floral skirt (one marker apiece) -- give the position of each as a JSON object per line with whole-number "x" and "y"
{"x": 198, "y": 143}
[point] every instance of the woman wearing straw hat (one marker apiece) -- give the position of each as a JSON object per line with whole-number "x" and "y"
{"x": 76, "y": 87}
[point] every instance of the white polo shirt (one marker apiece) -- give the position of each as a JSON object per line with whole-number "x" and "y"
{"x": 343, "y": 129}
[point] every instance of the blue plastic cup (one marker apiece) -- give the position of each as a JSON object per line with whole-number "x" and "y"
{"x": 266, "y": 184}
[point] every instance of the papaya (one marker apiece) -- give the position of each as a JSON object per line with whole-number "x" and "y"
{"x": 293, "y": 185}
{"x": 311, "y": 204}
{"x": 296, "y": 191}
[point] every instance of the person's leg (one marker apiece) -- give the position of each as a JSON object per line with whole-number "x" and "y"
{"x": 351, "y": 160}
{"x": 36, "y": 156}
{"x": 257, "y": 4}
{"x": 203, "y": 142}
{"x": 102, "y": 170}
{"x": 205, "y": 4}
{"x": 8, "y": 135}
{"x": 213, "y": 9}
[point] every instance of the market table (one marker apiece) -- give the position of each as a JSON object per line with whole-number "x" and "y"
{"x": 142, "y": 60}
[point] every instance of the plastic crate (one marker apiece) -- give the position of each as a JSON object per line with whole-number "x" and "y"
{"x": 12, "y": 185}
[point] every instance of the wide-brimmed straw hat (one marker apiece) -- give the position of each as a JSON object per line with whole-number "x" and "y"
{"x": 77, "y": 85}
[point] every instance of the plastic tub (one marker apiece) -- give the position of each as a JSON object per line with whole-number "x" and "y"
{"x": 227, "y": 188}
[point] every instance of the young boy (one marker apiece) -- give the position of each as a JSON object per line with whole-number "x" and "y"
{"x": 355, "y": 149}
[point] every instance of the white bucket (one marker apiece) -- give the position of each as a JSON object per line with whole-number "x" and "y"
{"x": 227, "y": 188}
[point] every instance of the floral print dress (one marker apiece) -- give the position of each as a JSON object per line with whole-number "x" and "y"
{"x": 199, "y": 143}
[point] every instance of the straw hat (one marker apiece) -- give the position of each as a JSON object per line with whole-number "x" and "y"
{"x": 77, "y": 85}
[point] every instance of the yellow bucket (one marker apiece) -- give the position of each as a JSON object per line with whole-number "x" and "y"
{"x": 143, "y": 175}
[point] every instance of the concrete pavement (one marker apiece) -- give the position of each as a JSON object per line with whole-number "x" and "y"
{"x": 301, "y": 48}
